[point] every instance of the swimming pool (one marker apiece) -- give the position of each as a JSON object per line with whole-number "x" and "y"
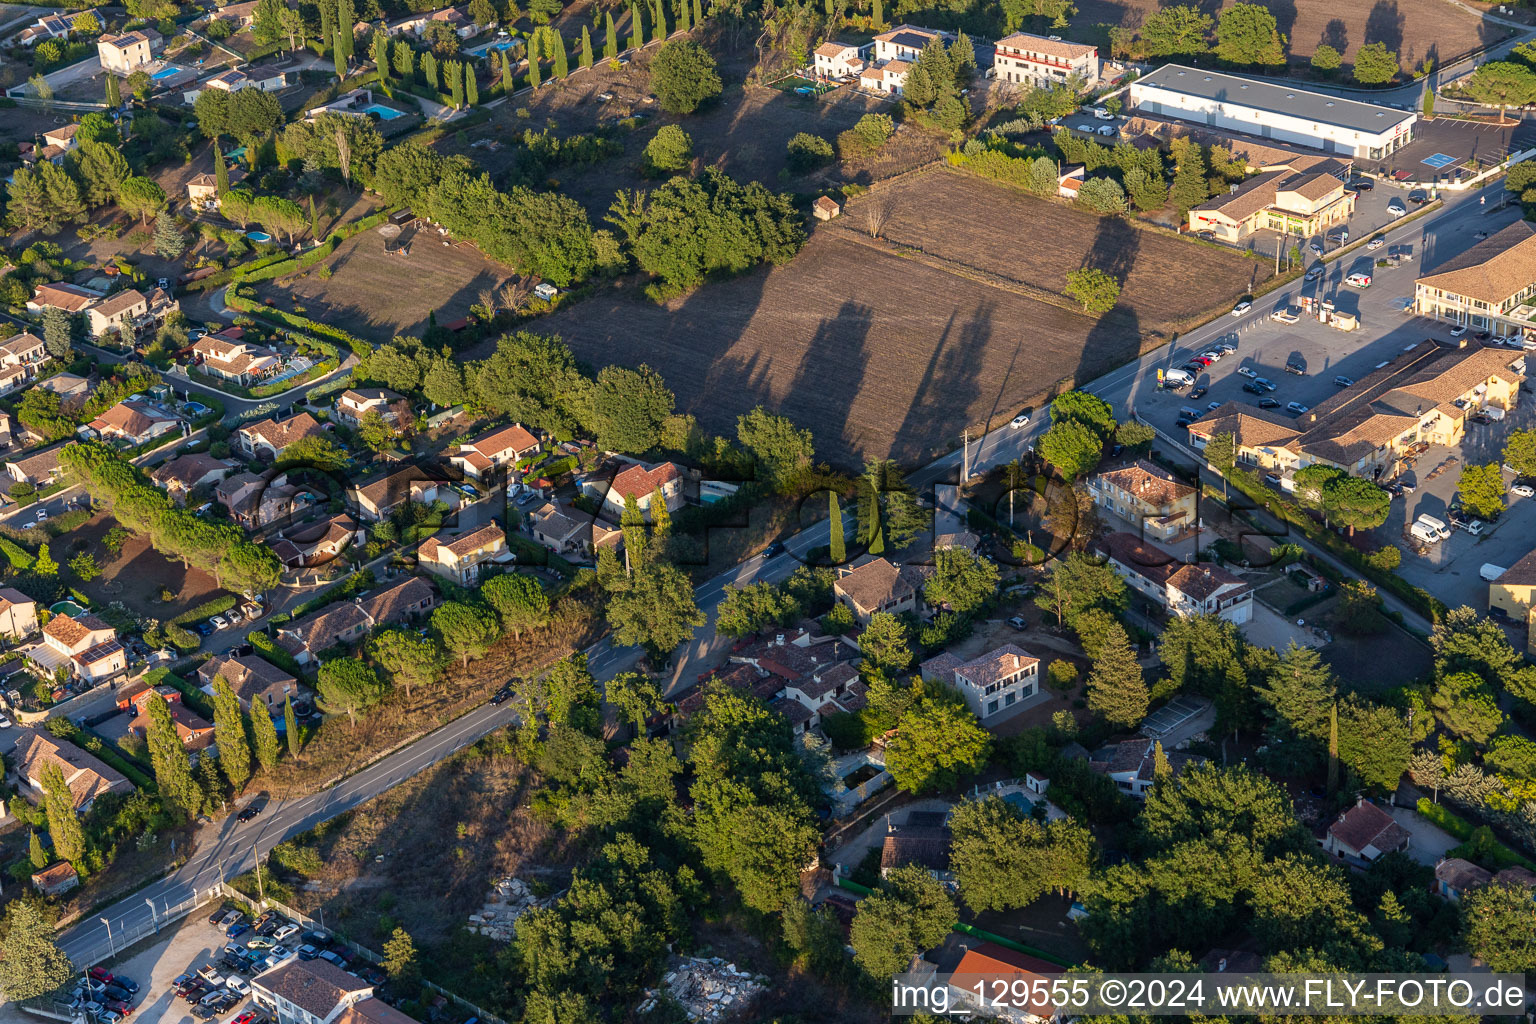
{"x": 485, "y": 48}
{"x": 1020, "y": 801}
{"x": 66, "y": 608}
{"x": 384, "y": 113}
{"x": 166, "y": 73}
{"x": 195, "y": 408}
{"x": 258, "y": 236}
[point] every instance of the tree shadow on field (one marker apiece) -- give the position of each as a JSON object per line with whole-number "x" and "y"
{"x": 829, "y": 378}
{"x": 1336, "y": 35}
{"x": 1116, "y": 338}
{"x": 1285, "y": 15}
{"x": 1385, "y": 25}
{"x": 950, "y": 386}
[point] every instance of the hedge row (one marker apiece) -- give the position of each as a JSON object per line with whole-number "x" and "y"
{"x": 17, "y": 555}
{"x": 1463, "y": 829}
{"x": 298, "y": 323}
{"x": 204, "y": 610}
{"x": 276, "y": 655}
{"x": 224, "y": 277}
{"x": 64, "y": 729}
{"x": 315, "y": 372}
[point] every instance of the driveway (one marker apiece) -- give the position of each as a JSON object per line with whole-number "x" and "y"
{"x": 1430, "y": 842}
{"x": 856, "y": 849}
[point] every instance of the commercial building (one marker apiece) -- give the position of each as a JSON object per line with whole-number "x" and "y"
{"x": 1514, "y": 592}
{"x": 1273, "y": 110}
{"x": 1296, "y": 202}
{"x": 1044, "y": 61}
{"x": 1491, "y": 286}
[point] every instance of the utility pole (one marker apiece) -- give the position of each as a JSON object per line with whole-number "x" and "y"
{"x": 965, "y": 455}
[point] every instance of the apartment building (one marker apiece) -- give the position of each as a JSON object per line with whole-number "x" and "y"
{"x": 1491, "y": 286}
{"x": 1148, "y": 497}
{"x": 1040, "y": 62}
{"x": 21, "y": 355}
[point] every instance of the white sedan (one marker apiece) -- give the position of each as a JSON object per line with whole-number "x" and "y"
{"x": 1241, "y": 308}
{"x": 1521, "y": 490}
{"x": 1021, "y": 420}
{"x": 1247, "y": 371}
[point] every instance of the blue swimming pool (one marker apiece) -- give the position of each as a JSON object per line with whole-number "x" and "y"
{"x": 384, "y": 113}
{"x": 1020, "y": 801}
{"x": 258, "y": 236}
{"x": 485, "y": 48}
{"x": 194, "y": 408}
{"x": 166, "y": 73}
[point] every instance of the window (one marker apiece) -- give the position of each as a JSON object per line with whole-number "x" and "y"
{"x": 992, "y": 707}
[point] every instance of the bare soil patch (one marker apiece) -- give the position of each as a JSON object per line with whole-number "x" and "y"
{"x": 1415, "y": 29}
{"x": 136, "y": 574}
{"x": 882, "y": 352}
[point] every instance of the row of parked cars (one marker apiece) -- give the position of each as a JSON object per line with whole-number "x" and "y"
{"x": 104, "y": 997}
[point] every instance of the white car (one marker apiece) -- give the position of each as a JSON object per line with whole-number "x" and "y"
{"x": 1396, "y": 208}
{"x": 42, "y": 514}
{"x": 1021, "y": 420}
{"x": 1358, "y": 280}
{"x": 1247, "y": 371}
{"x": 218, "y": 622}
{"x": 1241, "y": 308}
{"x": 1520, "y": 490}
{"x": 1475, "y": 527}
{"x": 1295, "y": 408}
{"x": 279, "y": 953}
{"x": 239, "y": 986}
{"x": 5, "y": 723}
{"x": 1458, "y": 330}
{"x": 1375, "y": 243}
{"x": 285, "y": 931}
{"x": 1090, "y": 129}
{"x": 28, "y": 526}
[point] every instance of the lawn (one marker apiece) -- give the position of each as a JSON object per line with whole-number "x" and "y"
{"x": 1415, "y": 29}
{"x": 883, "y": 352}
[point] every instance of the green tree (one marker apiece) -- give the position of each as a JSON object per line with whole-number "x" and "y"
{"x": 58, "y": 332}
{"x": 350, "y": 685}
{"x": 586, "y": 47}
{"x": 669, "y": 151}
{"x": 518, "y": 601}
{"x": 1373, "y": 740}
{"x": 1094, "y": 289}
{"x": 938, "y": 742}
{"x": 400, "y": 962}
{"x": 32, "y": 964}
{"x": 1299, "y": 691}
{"x": 1375, "y": 64}
{"x": 610, "y": 37}
{"x": 1501, "y": 84}
{"x": 405, "y": 59}
{"x": 101, "y": 168}
{"x": 1520, "y": 451}
{"x": 571, "y": 698}
{"x": 229, "y": 733}
{"x": 1467, "y": 706}
{"x": 1500, "y": 927}
{"x": 837, "y": 548}
{"x": 654, "y": 607}
{"x": 44, "y": 565}
{"x": 961, "y": 580}
{"x": 1072, "y": 448}
{"x": 35, "y": 852}
{"x": 558, "y": 51}
{"x": 1482, "y": 489}
{"x": 1078, "y": 583}
{"x": 807, "y": 152}
{"x": 1004, "y": 860}
{"x": 909, "y": 913}
{"x": 1326, "y": 59}
{"x": 471, "y": 85}
{"x": 1189, "y": 185}
{"x": 410, "y": 659}
{"x": 1116, "y": 689}
{"x": 683, "y": 76}
{"x": 64, "y": 827}
{"x": 114, "y": 91}
{"x": 1085, "y": 408}
{"x": 779, "y": 447}
{"x": 1102, "y": 195}
{"x": 465, "y": 630}
{"x": 885, "y": 644}
{"x": 635, "y": 696}
{"x": 1248, "y": 34}
{"x": 141, "y": 197}
{"x": 1176, "y": 31}
{"x": 629, "y": 408}
{"x": 291, "y": 729}
{"x": 264, "y": 733}
{"x": 172, "y": 766}
{"x": 1356, "y": 503}
{"x": 169, "y": 242}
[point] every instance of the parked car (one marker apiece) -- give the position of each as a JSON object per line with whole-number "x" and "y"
{"x": 1418, "y": 196}
{"x": 1343, "y": 382}
{"x": 1358, "y": 280}
{"x": 238, "y": 985}
{"x": 1269, "y": 403}
{"x": 1295, "y": 408}
{"x": 278, "y": 954}
{"x": 1241, "y": 308}
{"x": 1018, "y": 622}
{"x": 285, "y": 931}
{"x": 1247, "y": 371}
{"x": 260, "y": 942}
{"x": 1523, "y": 491}
{"x": 1297, "y": 367}
{"x": 239, "y": 928}
{"x": 1253, "y": 388}
{"x": 230, "y": 917}
{"x": 1376, "y": 243}
{"x": 1214, "y": 355}
{"x": 218, "y": 622}
{"x": 1475, "y": 527}
{"x": 308, "y": 952}
{"x": 1317, "y": 248}
{"x": 1265, "y": 383}
{"x": 1227, "y": 348}
{"x": 1396, "y": 208}
{"x": 1458, "y": 330}
{"x": 1314, "y": 274}
{"x": 332, "y": 956}
{"x": 1361, "y": 184}
{"x": 1199, "y": 392}
{"x": 250, "y": 812}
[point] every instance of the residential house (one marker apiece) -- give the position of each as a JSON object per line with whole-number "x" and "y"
{"x": 7, "y": 430}
{"x": 462, "y": 558}
{"x": 1071, "y": 180}
{"x": 267, "y": 439}
{"x": 122, "y": 54}
{"x": 379, "y": 497}
{"x": 266, "y": 78}
{"x": 980, "y": 972}
{"x": 308, "y": 991}
{"x": 1148, "y": 496}
{"x": 347, "y": 622}
{"x": 203, "y": 189}
{"x": 1426, "y": 393}
{"x": 73, "y": 390}
{"x": 21, "y": 356}
{"x": 71, "y": 298}
{"x": 1454, "y": 878}
{"x": 236, "y": 361}
{"x": 1303, "y": 202}
{"x": 62, "y": 138}
{"x": 56, "y": 879}
{"x": 1491, "y": 286}
{"x": 907, "y": 42}
{"x": 240, "y": 494}
{"x": 39, "y": 468}
{"x": 889, "y": 77}
{"x": 315, "y": 543}
{"x": 18, "y": 614}
{"x": 1184, "y": 589}
{"x": 494, "y": 451}
{"x": 992, "y": 683}
{"x": 840, "y": 60}
{"x": 565, "y": 529}
{"x": 53, "y": 26}
{"x": 134, "y": 423}
{"x": 458, "y": 19}
{"x": 1040, "y": 62}
{"x": 186, "y": 473}
{"x": 641, "y": 482}
{"x": 87, "y": 644}
{"x": 1514, "y": 592}
{"x": 86, "y": 776}
{"x": 256, "y": 682}
{"x": 923, "y": 840}
{"x": 117, "y": 313}
{"x": 878, "y": 586}
{"x": 1132, "y": 765}
{"x": 815, "y": 676}
{"x": 195, "y": 733}
{"x": 243, "y": 15}
{"x": 1365, "y": 832}
{"x": 355, "y": 403}
{"x": 824, "y": 208}
{"x": 373, "y": 1011}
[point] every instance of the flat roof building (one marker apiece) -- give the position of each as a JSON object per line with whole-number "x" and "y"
{"x": 1274, "y": 110}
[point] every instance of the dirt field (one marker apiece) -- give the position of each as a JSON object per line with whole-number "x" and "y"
{"x": 1415, "y": 29}
{"x": 880, "y": 354}
{"x": 136, "y": 575}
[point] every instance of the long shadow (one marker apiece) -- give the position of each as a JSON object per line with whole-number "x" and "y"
{"x": 831, "y": 374}
{"x": 1385, "y": 25}
{"x": 1336, "y": 35}
{"x": 1116, "y": 338}
{"x": 950, "y": 386}
{"x": 1285, "y": 15}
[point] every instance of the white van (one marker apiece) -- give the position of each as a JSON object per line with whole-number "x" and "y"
{"x": 1426, "y": 534}
{"x": 1102, "y": 114}
{"x": 1177, "y": 378}
{"x": 1435, "y": 526}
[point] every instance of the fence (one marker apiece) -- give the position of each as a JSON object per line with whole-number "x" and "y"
{"x": 120, "y": 937}
{"x": 304, "y": 920}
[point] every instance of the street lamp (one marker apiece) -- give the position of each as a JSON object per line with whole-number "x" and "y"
{"x": 111, "y": 947}
{"x": 153, "y": 919}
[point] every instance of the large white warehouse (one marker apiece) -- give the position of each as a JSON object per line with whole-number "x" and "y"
{"x": 1273, "y": 111}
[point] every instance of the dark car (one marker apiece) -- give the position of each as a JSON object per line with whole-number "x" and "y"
{"x": 773, "y": 550}
{"x": 317, "y": 937}
{"x": 1193, "y": 368}
{"x": 1269, "y": 403}
{"x": 248, "y": 814}
{"x": 117, "y": 992}
{"x": 1361, "y": 184}
{"x": 308, "y": 952}
{"x": 202, "y": 629}
{"x": 217, "y": 915}
{"x": 1183, "y": 421}
{"x": 1200, "y": 392}
{"x": 502, "y": 695}
{"x": 1343, "y": 382}
{"x": 1253, "y": 389}
{"x": 1419, "y": 196}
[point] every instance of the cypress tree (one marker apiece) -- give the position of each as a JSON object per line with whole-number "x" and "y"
{"x": 338, "y": 55}
{"x": 636, "y": 27}
{"x": 63, "y": 823}
{"x": 611, "y": 39}
{"x": 220, "y": 168}
{"x": 698, "y": 13}
{"x": 586, "y": 47}
{"x": 291, "y": 728}
{"x": 661, "y": 520}
{"x": 229, "y": 733}
{"x": 682, "y": 15}
{"x": 507, "y": 84}
{"x": 429, "y": 70}
{"x": 35, "y": 851}
{"x": 533, "y": 60}
{"x": 1333, "y": 749}
{"x": 265, "y": 734}
{"x": 471, "y": 87}
{"x": 381, "y": 55}
{"x": 879, "y": 15}
{"x": 659, "y": 31}
{"x": 835, "y": 519}
{"x": 346, "y": 17}
{"x": 562, "y": 68}
{"x": 454, "y": 81}
{"x": 173, "y": 769}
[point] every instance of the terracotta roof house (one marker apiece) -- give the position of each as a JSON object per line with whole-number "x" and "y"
{"x": 347, "y": 622}
{"x": 495, "y": 450}
{"x": 186, "y": 473}
{"x": 195, "y": 733}
{"x": 992, "y": 683}
{"x": 71, "y": 298}
{"x": 565, "y": 529}
{"x": 314, "y": 543}
{"x": 86, "y": 776}
{"x": 1184, "y": 589}
{"x": 240, "y": 494}
{"x": 73, "y": 390}
{"x": 88, "y": 644}
{"x": 268, "y": 439}
{"x": 641, "y": 482}
{"x": 236, "y": 361}
{"x": 307, "y": 991}
{"x": 839, "y": 60}
{"x": 20, "y": 357}
{"x": 203, "y": 189}
{"x": 877, "y": 586}
{"x": 1454, "y": 878}
{"x": 18, "y": 614}
{"x": 256, "y": 682}
{"x": 373, "y": 1011}
{"x": 989, "y": 964}
{"x": 924, "y": 840}
{"x": 1131, "y": 764}
{"x": 1307, "y": 201}
{"x": 38, "y": 468}
{"x": 355, "y": 403}
{"x": 1365, "y": 832}
{"x": 1147, "y": 496}
{"x": 56, "y": 879}
{"x": 825, "y": 208}
{"x": 118, "y": 312}
{"x": 134, "y": 423}
{"x": 812, "y": 677}
{"x": 379, "y": 496}
{"x": 462, "y": 558}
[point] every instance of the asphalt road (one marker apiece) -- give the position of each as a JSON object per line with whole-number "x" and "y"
{"x": 231, "y": 848}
